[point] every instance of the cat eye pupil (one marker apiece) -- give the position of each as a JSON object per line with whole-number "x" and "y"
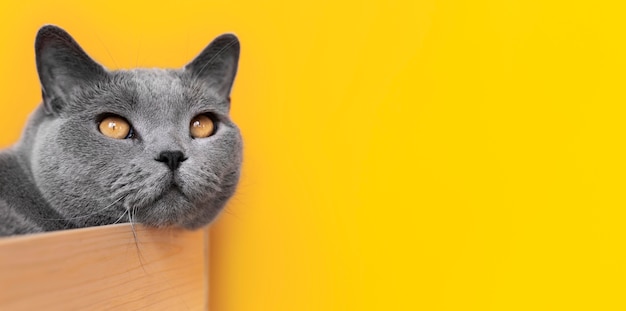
{"x": 201, "y": 126}
{"x": 115, "y": 127}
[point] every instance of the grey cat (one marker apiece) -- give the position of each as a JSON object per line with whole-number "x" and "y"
{"x": 152, "y": 146}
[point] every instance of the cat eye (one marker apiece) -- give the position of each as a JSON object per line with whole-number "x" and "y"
{"x": 115, "y": 127}
{"x": 201, "y": 126}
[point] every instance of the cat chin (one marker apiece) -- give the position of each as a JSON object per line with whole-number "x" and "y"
{"x": 170, "y": 209}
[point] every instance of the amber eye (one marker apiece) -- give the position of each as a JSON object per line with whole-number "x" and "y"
{"x": 201, "y": 126}
{"x": 115, "y": 127}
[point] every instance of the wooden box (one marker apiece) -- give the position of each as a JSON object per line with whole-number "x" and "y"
{"x": 104, "y": 268}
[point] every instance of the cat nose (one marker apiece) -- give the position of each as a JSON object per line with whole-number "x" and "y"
{"x": 171, "y": 158}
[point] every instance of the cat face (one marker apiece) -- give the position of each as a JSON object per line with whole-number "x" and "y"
{"x": 152, "y": 145}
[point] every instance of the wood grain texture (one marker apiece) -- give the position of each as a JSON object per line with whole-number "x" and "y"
{"x": 105, "y": 268}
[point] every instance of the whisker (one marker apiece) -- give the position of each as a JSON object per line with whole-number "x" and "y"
{"x": 132, "y": 226}
{"x": 119, "y": 219}
{"x": 96, "y": 212}
{"x": 86, "y": 215}
{"x": 138, "y": 48}
{"x": 107, "y": 50}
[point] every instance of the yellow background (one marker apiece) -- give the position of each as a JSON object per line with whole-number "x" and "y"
{"x": 416, "y": 155}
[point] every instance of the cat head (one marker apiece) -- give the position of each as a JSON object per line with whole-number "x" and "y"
{"x": 156, "y": 146}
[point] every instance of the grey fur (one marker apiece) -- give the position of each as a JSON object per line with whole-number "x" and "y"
{"x": 63, "y": 173}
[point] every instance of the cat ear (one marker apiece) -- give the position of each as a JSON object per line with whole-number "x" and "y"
{"x": 62, "y": 66}
{"x": 217, "y": 64}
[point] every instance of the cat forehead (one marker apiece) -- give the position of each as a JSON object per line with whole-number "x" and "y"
{"x": 156, "y": 85}
{"x": 164, "y": 88}
{"x": 153, "y": 77}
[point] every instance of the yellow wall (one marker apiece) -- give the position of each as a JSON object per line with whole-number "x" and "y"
{"x": 433, "y": 155}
